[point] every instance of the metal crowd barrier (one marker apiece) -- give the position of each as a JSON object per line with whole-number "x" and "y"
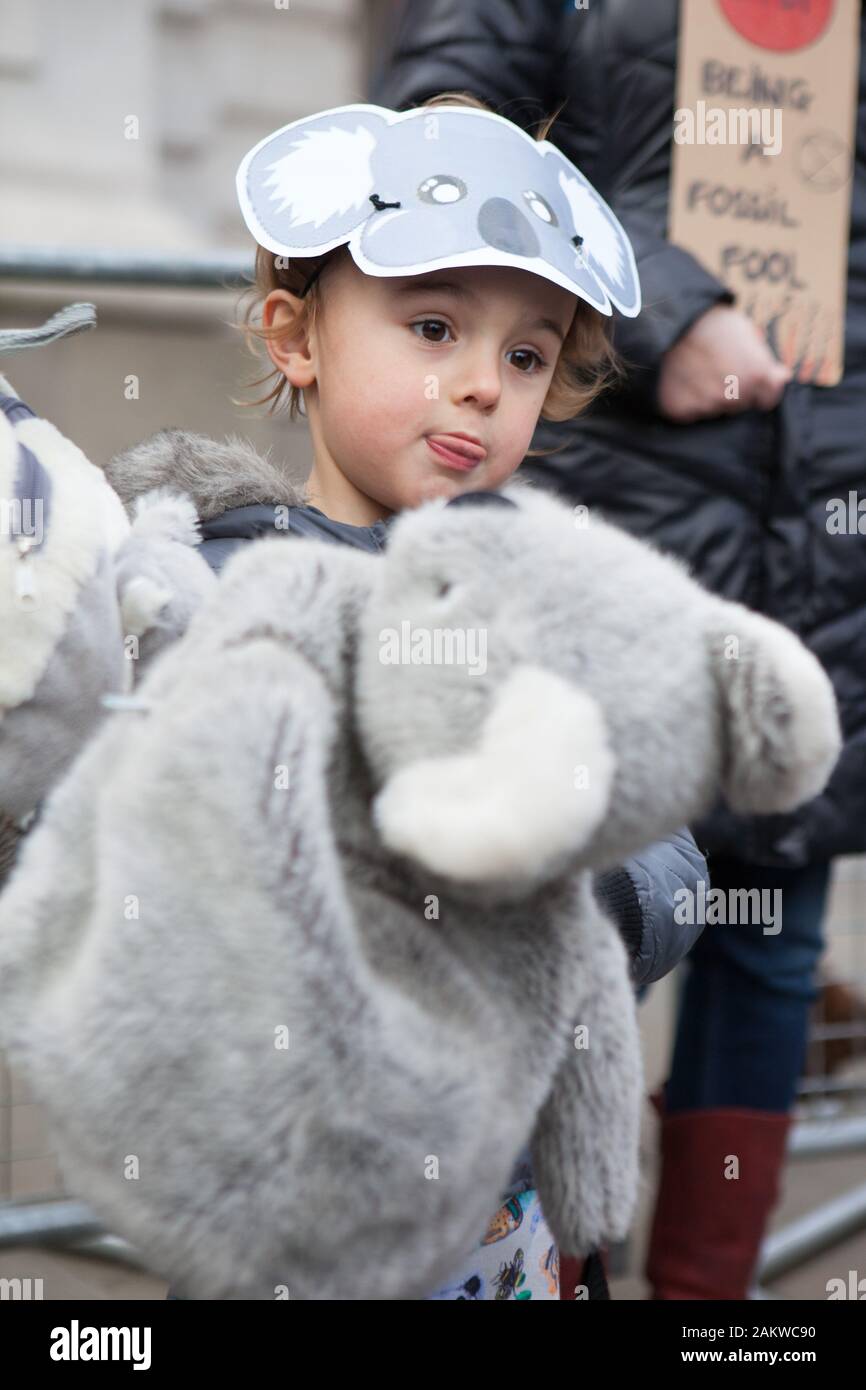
{"x": 217, "y": 270}
{"x": 830, "y": 1117}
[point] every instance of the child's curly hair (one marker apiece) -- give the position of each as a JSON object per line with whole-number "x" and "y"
{"x": 587, "y": 363}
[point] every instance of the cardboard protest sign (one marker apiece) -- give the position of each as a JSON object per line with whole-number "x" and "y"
{"x": 763, "y": 150}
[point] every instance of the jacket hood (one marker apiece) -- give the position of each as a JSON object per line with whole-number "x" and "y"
{"x": 237, "y": 492}
{"x": 218, "y": 475}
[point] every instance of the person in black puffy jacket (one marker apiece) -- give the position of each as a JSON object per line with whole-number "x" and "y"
{"x": 740, "y": 490}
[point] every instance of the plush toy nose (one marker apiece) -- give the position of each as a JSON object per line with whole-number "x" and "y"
{"x": 481, "y": 499}
{"x": 532, "y": 790}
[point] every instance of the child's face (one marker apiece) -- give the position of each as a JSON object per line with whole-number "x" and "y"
{"x": 392, "y": 364}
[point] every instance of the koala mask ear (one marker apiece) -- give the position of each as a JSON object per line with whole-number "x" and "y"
{"x": 533, "y": 789}
{"x": 781, "y": 722}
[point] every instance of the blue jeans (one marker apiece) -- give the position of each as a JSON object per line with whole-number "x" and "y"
{"x": 742, "y": 1026}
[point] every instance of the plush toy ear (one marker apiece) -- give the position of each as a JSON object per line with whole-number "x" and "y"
{"x": 534, "y": 788}
{"x": 782, "y": 725}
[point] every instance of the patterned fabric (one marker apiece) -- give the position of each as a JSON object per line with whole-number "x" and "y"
{"x": 517, "y": 1258}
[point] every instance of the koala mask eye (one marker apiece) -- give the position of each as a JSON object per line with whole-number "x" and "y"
{"x": 541, "y": 207}
{"x": 442, "y": 188}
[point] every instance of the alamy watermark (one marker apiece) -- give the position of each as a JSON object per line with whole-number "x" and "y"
{"x": 22, "y": 518}
{"x": 437, "y": 646}
{"x": 729, "y": 907}
{"x": 21, "y": 1289}
{"x": 732, "y": 125}
{"x": 854, "y": 1288}
{"x": 846, "y": 517}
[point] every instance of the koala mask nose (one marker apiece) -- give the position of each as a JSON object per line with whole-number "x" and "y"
{"x": 504, "y": 227}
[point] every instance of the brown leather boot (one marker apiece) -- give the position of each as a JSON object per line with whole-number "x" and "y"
{"x": 707, "y": 1228}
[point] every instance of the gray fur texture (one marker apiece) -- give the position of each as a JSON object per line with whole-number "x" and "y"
{"x": 297, "y": 959}
{"x": 40, "y": 738}
{"x": 161, "y": 579}
{"x": 216, "y": 474}
{"x": 95, "y": 590}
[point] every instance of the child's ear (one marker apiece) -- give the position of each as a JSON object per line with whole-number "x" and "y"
{"x": 290, "y": 352}
{"x": 780, "y": 718}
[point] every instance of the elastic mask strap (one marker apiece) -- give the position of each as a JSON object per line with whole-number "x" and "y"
{"x": 380, "y": 207}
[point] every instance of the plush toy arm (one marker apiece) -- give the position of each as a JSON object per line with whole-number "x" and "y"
{"x": 585, "y": 1143}
{"x": 161, "y": 579}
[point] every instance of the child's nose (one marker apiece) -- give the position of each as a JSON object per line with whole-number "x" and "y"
{"x": 479, "y": 377}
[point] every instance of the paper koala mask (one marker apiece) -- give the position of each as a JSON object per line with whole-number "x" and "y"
{"x": 419, "y": 190}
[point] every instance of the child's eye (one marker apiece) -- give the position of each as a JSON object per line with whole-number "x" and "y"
{"x": 440, "y": 325}
{"x": 529, "y": 352}
{"x": 435, "y": 323}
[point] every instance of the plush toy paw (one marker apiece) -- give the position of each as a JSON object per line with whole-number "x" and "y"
{"x": 161, "y": 578}
{"x": 780, "y": 704}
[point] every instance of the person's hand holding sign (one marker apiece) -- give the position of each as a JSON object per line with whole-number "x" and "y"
{"x": 720, "y": 366}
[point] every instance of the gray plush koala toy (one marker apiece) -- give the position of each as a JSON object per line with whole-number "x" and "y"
{"x": 87, "y": 598}
{"x": 301, "y": 953}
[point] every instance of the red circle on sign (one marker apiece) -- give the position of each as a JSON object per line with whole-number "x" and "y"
{"x": 782, "y": 25}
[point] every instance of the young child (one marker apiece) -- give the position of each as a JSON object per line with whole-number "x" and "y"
{"x": 425, "y": 351}
{"x": 388, "y": 364}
